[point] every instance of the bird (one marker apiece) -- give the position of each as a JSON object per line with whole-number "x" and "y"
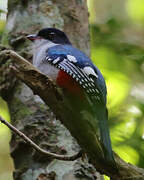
{"x": 74, "y": 72}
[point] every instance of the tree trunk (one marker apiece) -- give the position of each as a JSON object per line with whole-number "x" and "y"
{"x": 28, "y": 112}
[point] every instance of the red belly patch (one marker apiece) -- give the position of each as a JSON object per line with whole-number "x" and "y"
{"x": 65, "y": 81}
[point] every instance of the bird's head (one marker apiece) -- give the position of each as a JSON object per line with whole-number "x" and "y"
{"x": 52, "y": 35}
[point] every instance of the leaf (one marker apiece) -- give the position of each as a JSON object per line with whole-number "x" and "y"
{"x": 2, "y": 11}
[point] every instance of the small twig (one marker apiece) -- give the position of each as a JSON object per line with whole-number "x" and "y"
{"x": 36, "y": 147}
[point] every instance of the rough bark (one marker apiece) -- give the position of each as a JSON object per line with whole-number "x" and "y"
{"x": 28, "y": 112}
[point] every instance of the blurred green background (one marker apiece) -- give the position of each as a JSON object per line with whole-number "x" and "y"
{"x": 6, "y": 163}
{"x": 117, "y": 48}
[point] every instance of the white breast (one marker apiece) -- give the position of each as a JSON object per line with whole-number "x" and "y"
{"x": 39, "y": 53}
{"x": 48, "y": 70}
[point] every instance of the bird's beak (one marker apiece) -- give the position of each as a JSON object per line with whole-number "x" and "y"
{"x": 33, "y": 37}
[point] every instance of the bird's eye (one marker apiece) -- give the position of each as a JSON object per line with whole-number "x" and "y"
{"x": 51, "y": 36}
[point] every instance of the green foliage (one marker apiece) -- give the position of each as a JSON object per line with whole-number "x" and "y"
{"x": 135, "y": 10}
{"x": 105, "y": 59}
{"x": 2, "y": 11}
{"x": 2, "y": 25}
{"x": 120, "y": 57}
{"x": 6, "y": 163}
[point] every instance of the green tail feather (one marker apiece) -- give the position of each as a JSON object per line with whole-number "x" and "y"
{"x": 102, "y": 116}
{"x": 105, "y": 138}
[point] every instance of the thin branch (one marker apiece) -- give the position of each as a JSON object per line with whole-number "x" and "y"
{"x": 14, "y": 55}
{"x": 37, "y": 148}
